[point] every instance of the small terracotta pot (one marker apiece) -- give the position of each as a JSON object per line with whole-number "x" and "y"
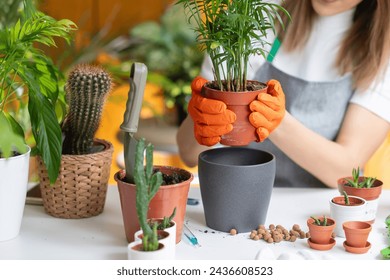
{"x": 166, "y": 199}
{"x": 367, "y": 193}
{"x": 356, "y": 233}
{"x": 243, "y": 132}
{"x": 321, "y": 234}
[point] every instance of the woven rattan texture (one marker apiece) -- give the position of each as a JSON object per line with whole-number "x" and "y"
{"x": 81, "y": 188}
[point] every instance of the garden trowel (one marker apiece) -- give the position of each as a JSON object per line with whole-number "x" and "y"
{"x": 129, "y": 126}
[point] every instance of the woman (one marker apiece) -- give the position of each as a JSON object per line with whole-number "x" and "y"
{"x": 333, "y": 64}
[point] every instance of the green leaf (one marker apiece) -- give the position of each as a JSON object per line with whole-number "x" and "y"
{"x": 47, "y": 132}
{"x": 10, "y": 137}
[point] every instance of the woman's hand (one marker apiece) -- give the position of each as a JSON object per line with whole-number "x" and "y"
{"x": 211, "y": 118}
{"x": 268, "y": 110}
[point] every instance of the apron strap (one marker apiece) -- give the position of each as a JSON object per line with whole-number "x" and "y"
{"x": 274, "y": 50}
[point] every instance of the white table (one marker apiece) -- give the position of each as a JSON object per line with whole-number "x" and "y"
{"x": 44, "y": 237}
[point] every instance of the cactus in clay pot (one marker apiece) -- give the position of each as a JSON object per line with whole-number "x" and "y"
{"x": 86, "y": 91}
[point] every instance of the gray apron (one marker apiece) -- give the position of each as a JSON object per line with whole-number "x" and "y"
{"x": 320, "y": 106}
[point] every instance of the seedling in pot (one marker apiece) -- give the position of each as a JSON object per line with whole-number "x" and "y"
{"x": 346, "y": 198}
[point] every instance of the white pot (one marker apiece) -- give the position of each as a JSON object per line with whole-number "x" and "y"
{"x": 133, "y": 252}
{"x": 344, "y": 213}
{"x": 13, "y": 190}
{"x": 169, "y": 241}
{"x": 372, "y": 207}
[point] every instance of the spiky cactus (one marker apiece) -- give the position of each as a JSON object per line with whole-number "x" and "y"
{"x": 86, "y": 90}
{"x": 147, "y": 183}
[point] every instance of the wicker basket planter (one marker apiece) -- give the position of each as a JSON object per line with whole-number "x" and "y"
{"x": 81, "y": 187}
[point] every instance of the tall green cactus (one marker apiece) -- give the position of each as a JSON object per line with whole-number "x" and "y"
{"x": 86, "y": 90}
{"x": 147, "y": 183}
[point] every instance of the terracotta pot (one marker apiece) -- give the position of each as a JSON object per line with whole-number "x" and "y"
{"x": 356, "y": 233}
{"x": 321, "y": 234}
{"x": 371, "y": 195}
{"x": 166, "y": 199}
{"x": 81, "y": 187}
{"x": 355, "y": 211}
{"x": 243, "y": 132}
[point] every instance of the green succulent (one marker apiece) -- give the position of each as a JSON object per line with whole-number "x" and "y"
{"x": 365, "y": 182}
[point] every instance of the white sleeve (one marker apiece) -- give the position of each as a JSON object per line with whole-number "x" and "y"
{"x": 206, "y": 70}
{"x": 377, "y": 98}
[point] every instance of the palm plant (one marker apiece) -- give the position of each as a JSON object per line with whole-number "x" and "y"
{"x": 28, "y": 75}
{"x": 232, "y": 31}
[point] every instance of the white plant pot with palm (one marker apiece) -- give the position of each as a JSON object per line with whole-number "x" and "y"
{"x": 13, "y": 189}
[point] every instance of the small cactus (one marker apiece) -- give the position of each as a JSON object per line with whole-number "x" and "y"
{"x": 86, "y": 91}
{"x": 147, "y": 183}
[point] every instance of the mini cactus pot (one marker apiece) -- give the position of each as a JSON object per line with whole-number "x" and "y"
{"x": 135, "y": 252}
{"x": 321, "y": 234}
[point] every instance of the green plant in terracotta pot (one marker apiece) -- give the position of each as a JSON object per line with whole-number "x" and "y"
{"x": 231, "y": 32}
{"x": 321, "y": 230}
{"x": 368, "y": 188}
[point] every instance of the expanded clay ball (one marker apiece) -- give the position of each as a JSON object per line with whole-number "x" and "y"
{"x": 233, "y": 231}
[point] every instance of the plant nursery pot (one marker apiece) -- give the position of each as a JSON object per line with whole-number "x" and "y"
{"x": 356, "y": 211}
{"x": 166, "y": 238}
{"x": 243, "y": 132}
{"x": 236, "y": 186}
{"x": 356, "y": 233}
{"x": 321, "y": 234}
{"x": 81, "y": 187}
{"x": 166, "y": 199}
{"x": 371, "y": 195}
{"x": 13, "y": 189}
{"x": 135, "y": 252}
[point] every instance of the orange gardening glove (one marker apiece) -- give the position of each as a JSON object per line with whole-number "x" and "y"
{"x": 268, "y": 110}
{"x": 211, "y": 118}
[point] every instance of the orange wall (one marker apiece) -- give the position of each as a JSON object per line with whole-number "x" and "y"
{"x": 92, "y": 16}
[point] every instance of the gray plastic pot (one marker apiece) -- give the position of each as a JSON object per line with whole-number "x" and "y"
{"x": 236, "y": 186}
